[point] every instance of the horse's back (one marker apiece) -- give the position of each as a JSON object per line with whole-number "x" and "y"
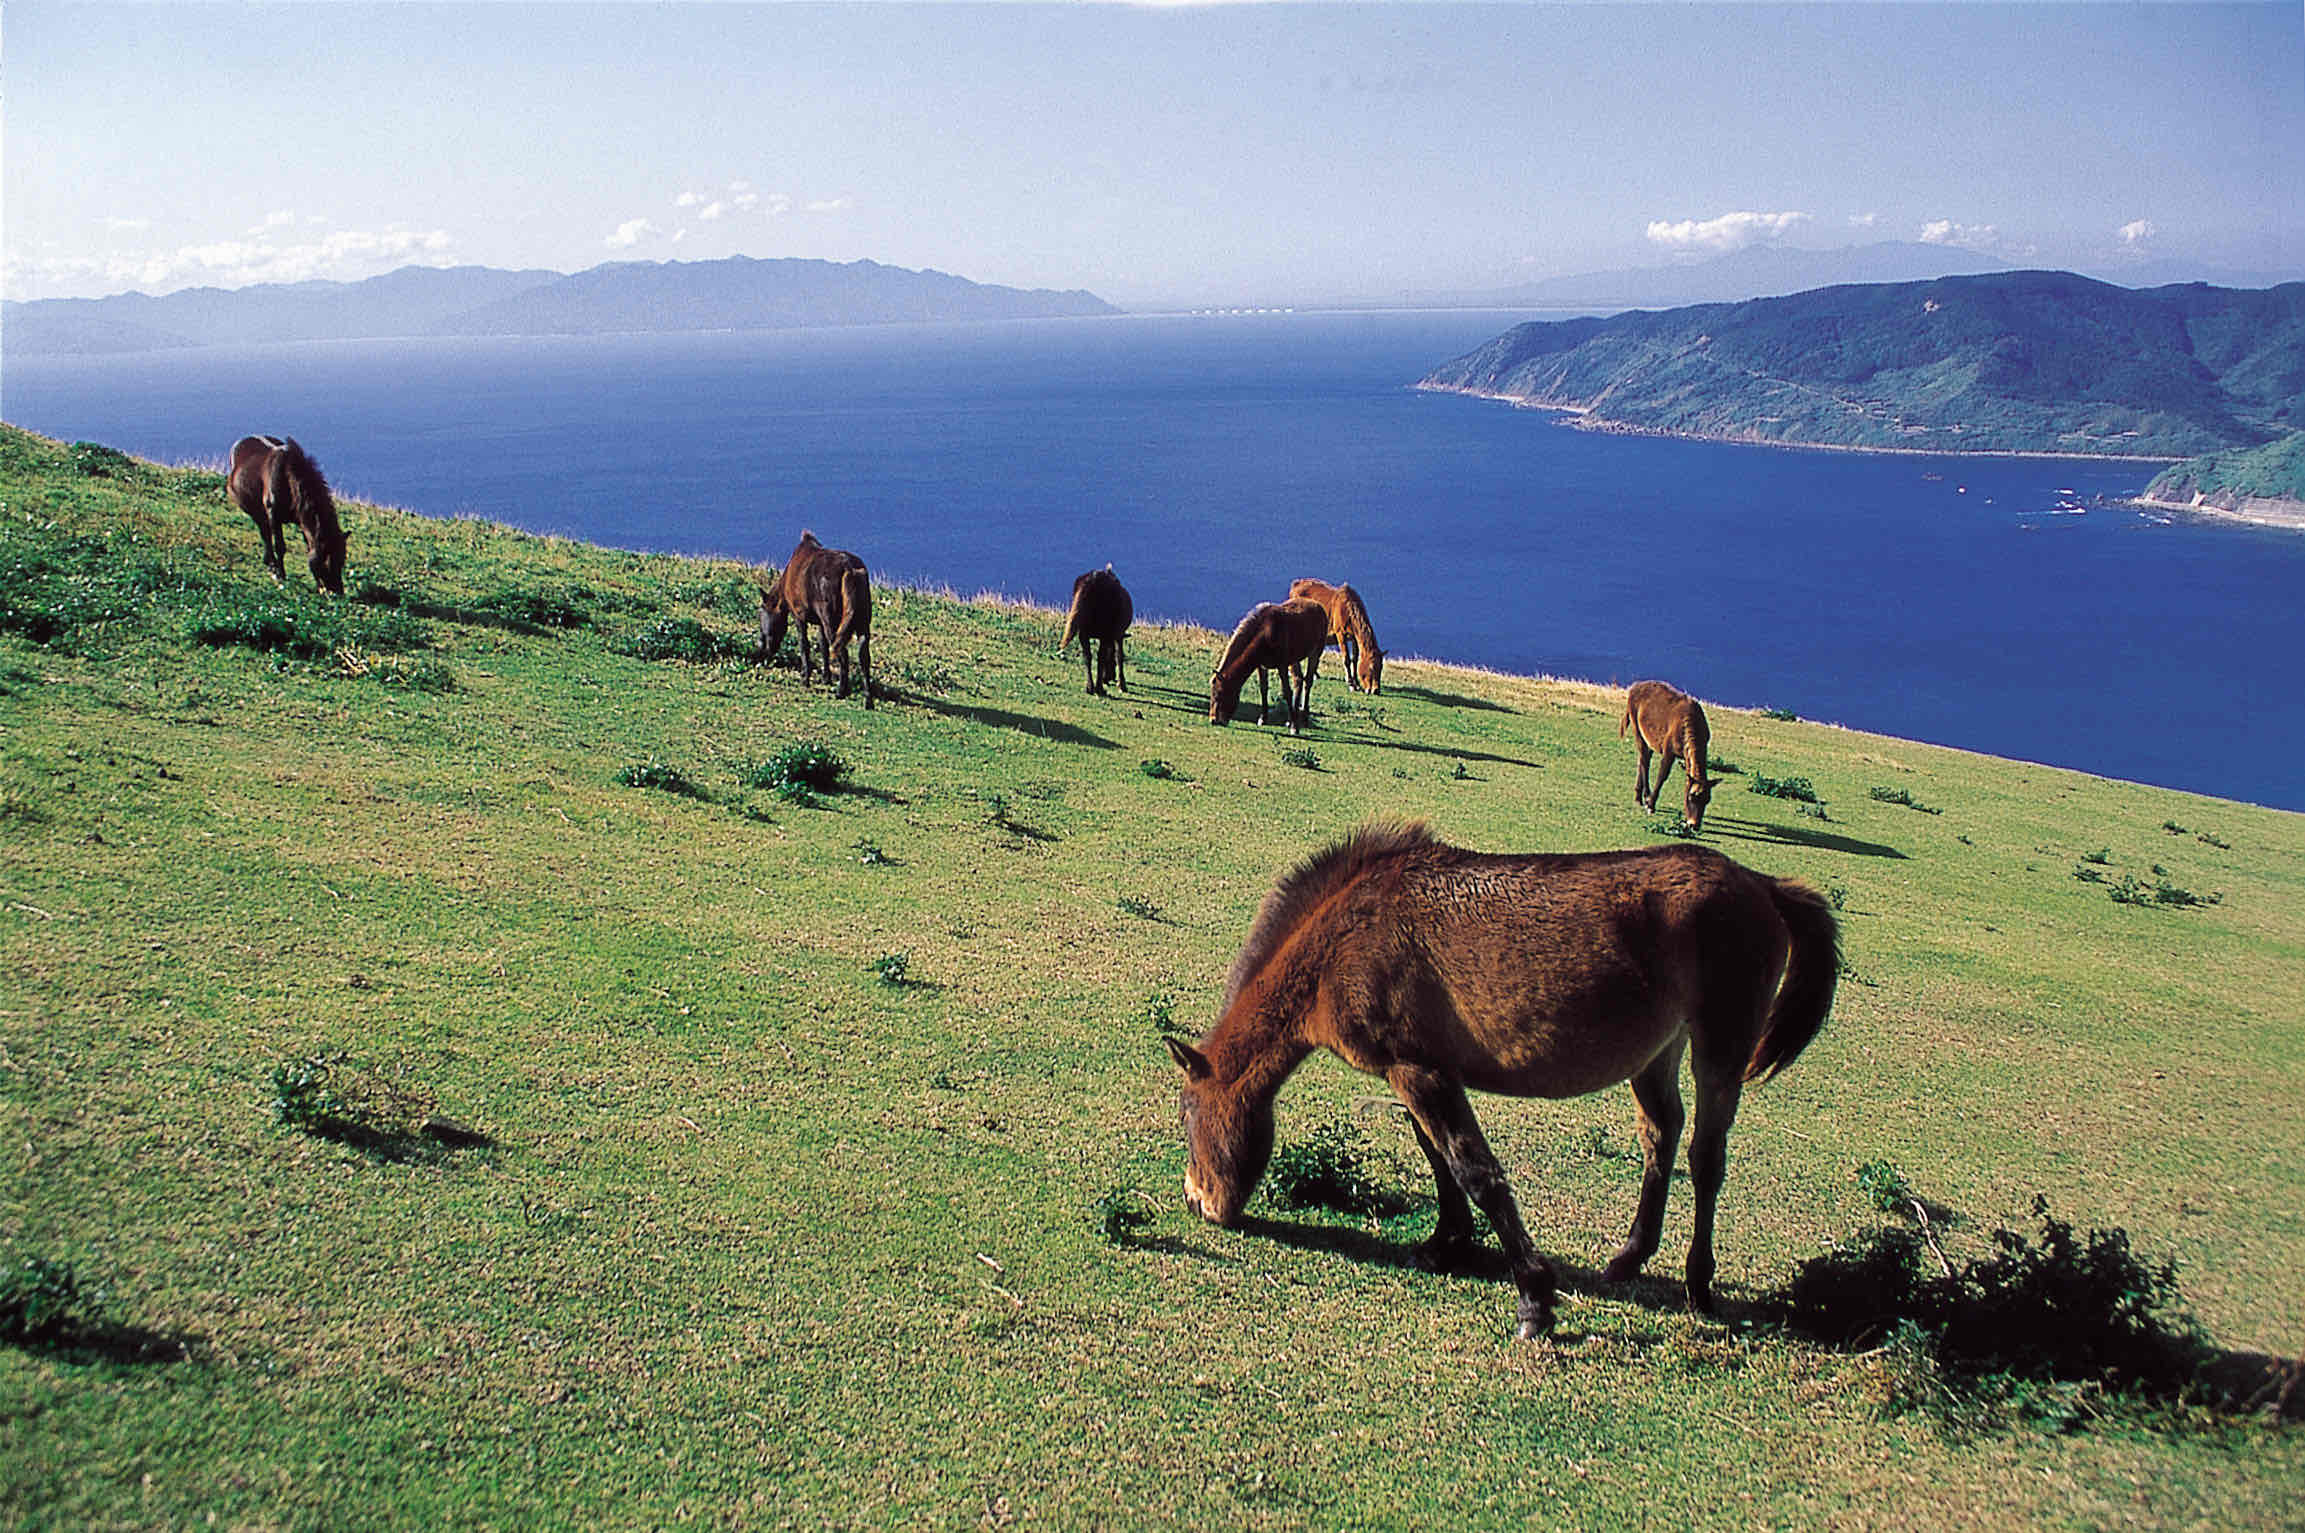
{"x": 1666, "y": 716}
{"x": 1551, "y": 974}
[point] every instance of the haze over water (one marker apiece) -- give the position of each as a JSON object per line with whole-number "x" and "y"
{"x": 1213, "y": 459}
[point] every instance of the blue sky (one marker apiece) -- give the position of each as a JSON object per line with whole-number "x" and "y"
{"x": 1207, "y": 153}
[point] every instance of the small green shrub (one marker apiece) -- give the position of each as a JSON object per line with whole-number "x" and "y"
{"x": 1900, "y": 796}
{"x": 1119, "y": 1215}
{"x": 1301, "y": 756}
{"x": 892, "y": 969}
{"x": 1159, "y": 1013}
{"x": 44, "y": 1302}
{"x": 1329, "y": 1169}
{"x": 1799, "y": 789}
{"x": 678, "y": 638}
{"x": 2210, "y": 838}
{"x": 1724, "y": 769}
{"x": 304, "y": 1095}
{"x": 661, "y": 776}
{"x": 2102, "y": 857}
{"x": 869, "y": 853}
{"x": 1157, "y": 769}
{"x": 1811, "y": 809}
{"x": 1672, "y": 826}
{"x": 100, "y": 462}
{"x": 2173, "y": 828}
{"x": 1459, "y": 772}
{"x": 548, "y": 607}
{"x": 799, "y": 771}
{"x": 1782, "y": 715}
{"x": 1139, "y": 906}
{"x": 2090, "y": 875}
{"x": 2052, "y": 1328}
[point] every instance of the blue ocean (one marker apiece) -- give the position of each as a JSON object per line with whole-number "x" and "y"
{"x": 2011, "y": 606}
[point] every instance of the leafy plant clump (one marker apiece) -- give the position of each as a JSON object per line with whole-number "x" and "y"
{"x": 892, "y": 969}
{"x": 1139, "y": 906}
{"x": 799, "y": 772}
{"x": 98, "y": 461}
{"x": 1796, "y": 788}
{"x": 1159, "y": 1013}
{"x": 660, "y": 776}
{"x": 1329, "y": 1169}
{"x": 678, "y": 638}
{"x": 1902, "y": 797}
{"x": 1156, "y": 768}
{"x": 44, "y": 1303}
{"x": 2055, "y": 1327}
{"x": 1781, "y": 715}
{"x": 1119, "y": 1215}
{"x": 1301, "y": 756}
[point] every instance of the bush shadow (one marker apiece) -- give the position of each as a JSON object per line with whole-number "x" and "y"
{"x": 1023, "y": 723}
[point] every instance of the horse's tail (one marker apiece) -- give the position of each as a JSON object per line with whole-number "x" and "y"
{"x": 1626, "y": 722}
{"x": 1810, "y": 977}
{"x": 1072, "y": 618}
{"x": 855, "y": 604}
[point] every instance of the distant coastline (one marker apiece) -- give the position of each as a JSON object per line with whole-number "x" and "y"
{"x": 2257, "y": 510}
{"x": 1583, "y": 419}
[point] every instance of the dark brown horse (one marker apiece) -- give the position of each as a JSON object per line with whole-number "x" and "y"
{"x": 1667, "y": 721}
{"x": 1349, "y": 629}
{"x": 1287, "y": 637}
{"x": 830, "y": 588}
{"x": 275, "y": 482}
{"x": 1101, "y": 610}
{"x": 1551, "y": 976}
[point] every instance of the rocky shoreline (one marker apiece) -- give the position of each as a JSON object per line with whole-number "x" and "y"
{"x": 2258, "y": 510}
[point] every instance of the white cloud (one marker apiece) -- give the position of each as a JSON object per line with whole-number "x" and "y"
{"x": 1943, "y": 231}
{"x": 345, "y": 255}
{"x": 631, "y": 232}
{"x": 1730, "y": 231}
{"x": 831, "y": 205}
{"x": 688, "y": 199}
{"x": 2137, "y": 232}
{"x": 1864, "y": 220}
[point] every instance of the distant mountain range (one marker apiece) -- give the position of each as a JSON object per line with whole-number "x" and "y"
{"x": 735, "y": 294}
{"x": 2025, "y": 361}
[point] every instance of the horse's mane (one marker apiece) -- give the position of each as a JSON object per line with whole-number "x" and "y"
{"x": 1356, "y": 618}
{"x": 1310, "y": 882}
{"x": 309, "y": 483}
{"x": 1252, "y": 619}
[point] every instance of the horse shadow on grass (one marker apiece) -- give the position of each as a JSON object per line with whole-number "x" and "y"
{"x": 1730, "y": 828}
{"x": 1023, "y": 723}
{"x": 89, "y": 1342}
{"x": 1448, "y": 699}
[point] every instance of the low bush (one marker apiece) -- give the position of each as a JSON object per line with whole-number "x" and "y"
{"x": 1329, "y": 1169}
{"x": 798, "y": 772}
{"x": 678, "y": 638}
{"x": 1799, "y": 789}
{"x": 660, "y": 776}
{"x": 1901, "y": 797}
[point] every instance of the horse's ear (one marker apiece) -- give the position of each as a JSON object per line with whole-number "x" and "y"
{"x": 1189, "y": 1059}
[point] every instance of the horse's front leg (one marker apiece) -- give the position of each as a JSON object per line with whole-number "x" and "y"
{"x": 1350, "y": 653}
{"x": 275, "y": 540}
{"x": 1446, "y": 1119}
{"x": 1657, "y": 1096}
{"x": 1265, "y": 694}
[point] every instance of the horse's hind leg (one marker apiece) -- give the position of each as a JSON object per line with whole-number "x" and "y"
{"x": 1719, "y": 1084}
{"x": 1120, "y": 660}
{"x": 1088, "y": 663}
{"x": 1657, "y": 1096}
{"x": 1446, "y": 1120}
{"x": 1641, "y": 795}
{"x": 1452, "y": 1237}
{"x": 864, "y": 664}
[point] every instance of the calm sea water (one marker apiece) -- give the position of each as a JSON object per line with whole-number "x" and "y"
{"x": 1211, "y": 460}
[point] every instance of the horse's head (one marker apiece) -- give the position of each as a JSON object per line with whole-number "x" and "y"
{"x": 1699, "y": 794}
{"x": 327, "y": 561}
{"x": 1227, "y": 1141}
{"x": 1372, "y": 669}
{"x": 1222, "y": 704}
{"x": 773, "y": 618}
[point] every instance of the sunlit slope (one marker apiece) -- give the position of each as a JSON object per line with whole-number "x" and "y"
{"x": 763, "y": 1238}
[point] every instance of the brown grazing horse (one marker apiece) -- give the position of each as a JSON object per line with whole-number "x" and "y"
{"x": 830, "y": 588}
{"x": 1101, "y": 610}
{"x": 275, "y": 482}
{"x": 1287, "y": 637}
{"x": 1349, "y": 629}
{"x": 1548, "y": 976}
{"x": 1668, "y": 721}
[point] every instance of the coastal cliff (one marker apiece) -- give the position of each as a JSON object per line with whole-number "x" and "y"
{"x": 2017, "y": 362}
{"x": 2262, "y": 484}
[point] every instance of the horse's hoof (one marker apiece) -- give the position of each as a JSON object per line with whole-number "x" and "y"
{"x": 1536, "y": 1326}
{"x": 1444, "y": 1255}
{"x": 1623, "y": 1267}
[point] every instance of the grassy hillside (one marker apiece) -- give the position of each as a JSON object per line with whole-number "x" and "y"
{"x": 832, "y": 1170}
{"x": 2006, "y": 362}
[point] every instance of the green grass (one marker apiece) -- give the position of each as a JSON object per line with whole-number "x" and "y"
{"x": 759, "y": 1238}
